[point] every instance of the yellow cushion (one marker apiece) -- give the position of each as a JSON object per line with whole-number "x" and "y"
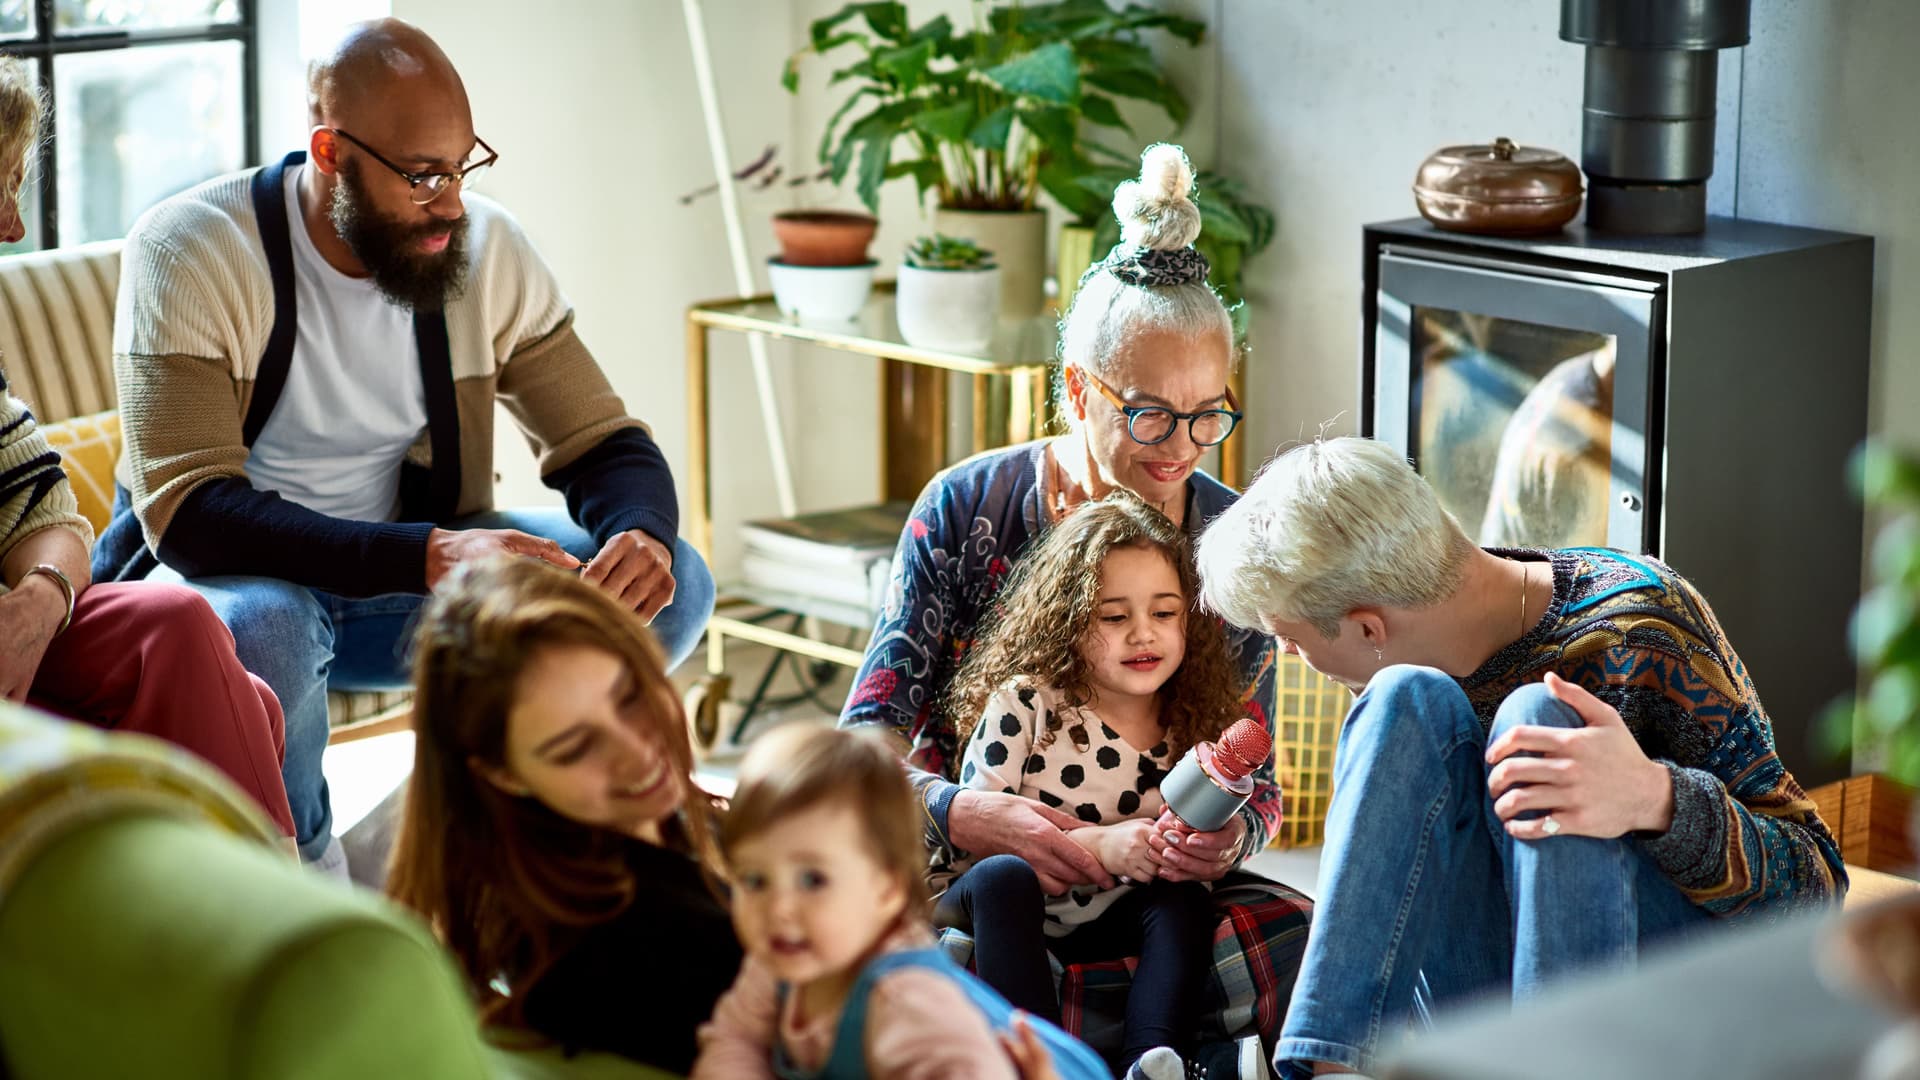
{"x": 89, "y": 448}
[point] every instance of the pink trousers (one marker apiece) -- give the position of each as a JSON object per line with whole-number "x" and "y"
{"x": 153, "y": 658}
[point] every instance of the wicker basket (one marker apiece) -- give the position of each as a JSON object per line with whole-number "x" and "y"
{"x": 1306, "y": 727}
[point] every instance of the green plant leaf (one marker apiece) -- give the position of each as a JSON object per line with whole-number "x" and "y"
{"x": 947, "y": 123}
{"x": 839, "y": 114}
{"x": 885, "y": 121}
{"x": 992, "y": 130}
{"x": 1053, "y": 126}
{"x": 1883, "y": 474}
{"x": 1049, "y": 73}
{"x": 873, "y": 170}
{"x": 938, "y": 30}
{"x": 1097, "y": 150}
{"x": 1109, "y": 54}
{"x": 905, "y": 64}
{"x": 842, "y": 160}
{"x": 1219, "y": 219}
{"x": 1143, "y": 87}
{"x": 1099, "y": 109}
{"x": 820, "y": 31}
{"x": 926, "y": 174}
{"x": 1884, "y": 614}
{"x": 862, "y": 70}
{"x": 1061, "y": 177}
{"x": 1139, "y": 17}
{"x": 888, "y": 20}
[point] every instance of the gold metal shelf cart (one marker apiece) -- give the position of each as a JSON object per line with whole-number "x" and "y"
{"x": 1009, "y": 405}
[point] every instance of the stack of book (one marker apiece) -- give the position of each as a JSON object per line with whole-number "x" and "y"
{"x": 839, "y": 556}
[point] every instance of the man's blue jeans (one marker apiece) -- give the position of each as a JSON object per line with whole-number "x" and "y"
{"x": 1420, "y": 881}
{"x": 304, "y": 642}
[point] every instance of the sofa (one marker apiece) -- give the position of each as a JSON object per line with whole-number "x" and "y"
{"x": 152, "y": 924}
{"x": 56, "y": 347}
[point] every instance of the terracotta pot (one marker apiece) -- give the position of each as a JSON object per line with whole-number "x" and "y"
{"x": 1018, "y": 240}
{"x": 1499, "y": 189}
{"x": 823, "y": 237}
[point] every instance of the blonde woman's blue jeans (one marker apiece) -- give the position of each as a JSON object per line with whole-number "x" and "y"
{"x": 1423, "y": 893}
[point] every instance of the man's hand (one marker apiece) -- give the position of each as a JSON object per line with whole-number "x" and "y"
{"x": 29, "y": 615}
{"x": 636, "y": 570}
{"x": 1595, "y": 781}
{"x": 1121, "y": 848}
{"x": 448, "y": 548}
{"x": 983, "y": 823}
{"x": 1184, "y": 855}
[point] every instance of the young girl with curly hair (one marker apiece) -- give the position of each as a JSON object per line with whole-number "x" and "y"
{"x": 1087, "y": 684}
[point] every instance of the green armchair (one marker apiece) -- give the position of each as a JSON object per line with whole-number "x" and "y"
{"x": 151, "y": 926}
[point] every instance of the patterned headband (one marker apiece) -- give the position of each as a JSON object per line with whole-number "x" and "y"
{"x": 1152, "y": 267}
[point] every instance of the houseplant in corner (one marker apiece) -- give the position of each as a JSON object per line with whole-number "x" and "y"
{"x": 1881, "y": 944}
{"x": 986, "y": 118}
{"x": 948, "y": 294}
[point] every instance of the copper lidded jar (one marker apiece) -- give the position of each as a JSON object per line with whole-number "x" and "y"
{"x": 1501, "y": 189}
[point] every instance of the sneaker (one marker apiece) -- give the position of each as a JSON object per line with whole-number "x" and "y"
{"x": 1242, "y": 1059}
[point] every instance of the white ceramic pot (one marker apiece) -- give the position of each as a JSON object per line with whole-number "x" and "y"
{"x": 820, "y": 293}
{"x": 949, "y": 310}
{"x": 1018, "y": 240}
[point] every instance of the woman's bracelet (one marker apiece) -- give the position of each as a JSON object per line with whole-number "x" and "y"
{"x": 59, "y": 577}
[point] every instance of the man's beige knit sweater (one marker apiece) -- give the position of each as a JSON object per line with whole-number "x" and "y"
{"x": 195, "y": 311}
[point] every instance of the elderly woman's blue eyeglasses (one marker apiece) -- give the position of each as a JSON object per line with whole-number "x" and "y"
{"x": 1150, "y": 424}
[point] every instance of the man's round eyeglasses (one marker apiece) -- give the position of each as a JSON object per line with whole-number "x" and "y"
{"x": 1150, "y": 424}
{"x": 428, "y": 186}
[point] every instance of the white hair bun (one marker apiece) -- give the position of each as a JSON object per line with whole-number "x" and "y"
{"x": 1157, "y": 211}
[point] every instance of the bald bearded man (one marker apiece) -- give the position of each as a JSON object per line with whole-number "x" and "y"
{"x": 308, "y": 357}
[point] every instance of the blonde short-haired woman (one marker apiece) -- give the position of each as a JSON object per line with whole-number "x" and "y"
{"x": 1556, "y": 756}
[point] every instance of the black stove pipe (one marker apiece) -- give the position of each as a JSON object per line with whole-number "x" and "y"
{"x": 1647, "y": 127}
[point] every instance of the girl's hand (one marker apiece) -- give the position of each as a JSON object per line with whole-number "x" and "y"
{"x": 1180, "y": 854}
{"x": 1122, "y": 848}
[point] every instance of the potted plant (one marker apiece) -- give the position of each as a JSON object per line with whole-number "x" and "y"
{"x": 1232, "y": 228}
{"x": 987, "y": 117}
{"x": 948, "y": 294}
{"x": 822, "y": 273}
{"x": 1886, "y": 625}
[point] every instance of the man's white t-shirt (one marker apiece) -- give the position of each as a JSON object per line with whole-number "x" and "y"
{"x": 354, "y": 400}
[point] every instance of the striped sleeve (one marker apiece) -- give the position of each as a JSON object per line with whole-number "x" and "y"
{"x": 34, "y": 493}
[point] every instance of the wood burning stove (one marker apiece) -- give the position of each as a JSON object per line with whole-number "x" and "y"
{"x": 1695, "y": 397}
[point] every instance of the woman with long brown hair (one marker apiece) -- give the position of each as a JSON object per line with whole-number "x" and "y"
{"x": 553, "y": 834}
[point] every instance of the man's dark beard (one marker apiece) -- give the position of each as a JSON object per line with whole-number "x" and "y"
{"x": 386, "y": 247}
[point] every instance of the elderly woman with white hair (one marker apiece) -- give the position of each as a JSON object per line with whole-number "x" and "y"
{"x": 1145, "y": 353}
{"x": 1555, "y": 759}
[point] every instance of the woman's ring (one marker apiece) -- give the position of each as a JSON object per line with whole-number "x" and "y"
{"x": 1548, "y": 825}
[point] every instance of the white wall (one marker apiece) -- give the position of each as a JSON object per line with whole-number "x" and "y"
{"x": 593, "y": 107}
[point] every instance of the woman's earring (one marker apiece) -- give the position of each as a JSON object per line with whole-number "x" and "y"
{"x": 1380, "y": 654}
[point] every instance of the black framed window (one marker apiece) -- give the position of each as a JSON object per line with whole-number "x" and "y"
{"x": 146, "y": 98}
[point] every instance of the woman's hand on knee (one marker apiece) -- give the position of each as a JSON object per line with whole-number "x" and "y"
{"x": 1586, "y": 781}
{"x": 983, "y": 823}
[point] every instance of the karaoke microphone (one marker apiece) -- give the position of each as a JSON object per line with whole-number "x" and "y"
{"x": 1215, "y": 779}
